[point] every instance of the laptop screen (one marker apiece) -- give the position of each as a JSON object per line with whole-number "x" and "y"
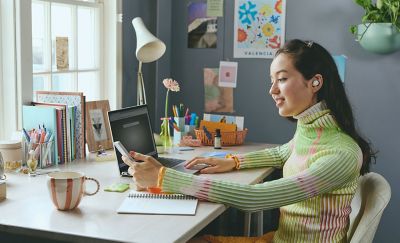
{"x": 131, "y": 126}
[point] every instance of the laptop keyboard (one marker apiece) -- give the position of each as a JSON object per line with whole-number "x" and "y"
{"x": 169, "y": 162}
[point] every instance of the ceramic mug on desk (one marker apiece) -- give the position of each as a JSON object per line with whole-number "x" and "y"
{"x": 66, "y": 188}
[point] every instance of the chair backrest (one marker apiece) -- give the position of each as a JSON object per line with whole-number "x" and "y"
{"x": 372, "y": 196}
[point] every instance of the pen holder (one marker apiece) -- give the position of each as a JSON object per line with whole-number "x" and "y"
{"x": 178, "y": 137}
{"x": 38, "y": 155}
{"x": 180, "y": 123}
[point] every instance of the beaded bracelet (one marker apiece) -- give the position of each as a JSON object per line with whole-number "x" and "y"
{"x": 160, "y": 179}
{"x": 235, "y": 158}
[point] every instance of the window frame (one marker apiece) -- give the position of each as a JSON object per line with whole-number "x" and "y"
{"x": 99, "y": 53}
{"x": 1, "y": 74}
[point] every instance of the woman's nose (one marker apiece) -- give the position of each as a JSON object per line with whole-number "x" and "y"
{"x": 274, "y": 89}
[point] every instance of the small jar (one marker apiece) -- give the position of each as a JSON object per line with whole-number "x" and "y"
{"x": 12, "y": 154}
{"x": 217, "y": 139}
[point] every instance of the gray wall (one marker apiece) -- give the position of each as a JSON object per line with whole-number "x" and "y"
{"x": 372, "y": 81}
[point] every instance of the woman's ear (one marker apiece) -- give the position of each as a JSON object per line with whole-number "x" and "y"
{"x": 316, "y": 82}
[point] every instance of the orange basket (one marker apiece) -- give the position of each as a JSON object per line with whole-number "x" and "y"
{"x": 227, "y": 138}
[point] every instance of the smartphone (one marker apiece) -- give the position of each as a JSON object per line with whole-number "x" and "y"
{"x": 123, "y": 150}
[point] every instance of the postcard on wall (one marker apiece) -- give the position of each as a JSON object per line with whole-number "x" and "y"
{"x": 62, "y": 53}
{"x": 227, "y": 74}
{"x": 202, "y": 30}
{"x": 215, "y": 8}
{"x": 259, "y": 28}
{"x": 217, "y": 99}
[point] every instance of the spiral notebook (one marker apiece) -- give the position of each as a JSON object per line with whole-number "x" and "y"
{"x": 149, "y": 203}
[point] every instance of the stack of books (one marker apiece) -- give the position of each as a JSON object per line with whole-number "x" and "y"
{"x": 64, "y": 114}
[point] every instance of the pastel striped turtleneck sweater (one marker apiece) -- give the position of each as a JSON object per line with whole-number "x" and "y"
{"x": 321, "y": 166}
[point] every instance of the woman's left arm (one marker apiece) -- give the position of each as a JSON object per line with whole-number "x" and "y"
{"x": 329, "y": 171}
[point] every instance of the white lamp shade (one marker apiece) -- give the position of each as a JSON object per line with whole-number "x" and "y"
{"x": 148, "y": 47}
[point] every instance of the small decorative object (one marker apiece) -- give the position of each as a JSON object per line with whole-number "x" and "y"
{"x": 379, "y": 31}
{"x": 98, "y": 131}
{"x": 32, "y": 163}
{"x": 170, "y": 85}
{"x": 217, "y": 139}
{"x": 190, "y": 141}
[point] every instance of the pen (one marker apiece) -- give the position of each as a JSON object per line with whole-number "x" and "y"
{"x": 27, "y": 138}
{"x": 174, "y": 125}
{"x": 176, "y": 110}
{"x": 192, "y": 118}
{"x": 42, "y": 136}
{"x": 48, "y": 135}
{"x": 173, "y": 110}
{"x": 181, "y": 109}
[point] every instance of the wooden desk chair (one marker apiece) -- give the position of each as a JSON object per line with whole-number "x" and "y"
{"x": 372, "y": 196}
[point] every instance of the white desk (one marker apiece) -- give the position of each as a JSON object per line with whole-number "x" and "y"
{"x": 29, "y": 211}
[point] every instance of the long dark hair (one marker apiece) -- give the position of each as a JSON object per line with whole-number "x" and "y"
{"x": 310, "y": 58}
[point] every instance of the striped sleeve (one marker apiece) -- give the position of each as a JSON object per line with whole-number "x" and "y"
{"x": 270, "y": 157}
{"x": 331, "y": 170}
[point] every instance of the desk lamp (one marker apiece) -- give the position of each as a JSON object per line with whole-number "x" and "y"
{"x": 148, "y": 49}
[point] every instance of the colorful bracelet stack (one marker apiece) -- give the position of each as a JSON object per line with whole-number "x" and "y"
{"x": 235, "y": 158}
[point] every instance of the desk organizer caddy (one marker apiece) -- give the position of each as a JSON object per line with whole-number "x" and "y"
{"x": 227, "y": 138}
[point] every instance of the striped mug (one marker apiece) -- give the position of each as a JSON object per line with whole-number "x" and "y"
{"x": 67, "y": 188}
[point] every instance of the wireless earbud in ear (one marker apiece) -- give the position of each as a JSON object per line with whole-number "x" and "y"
{"x": 315, "y": 83}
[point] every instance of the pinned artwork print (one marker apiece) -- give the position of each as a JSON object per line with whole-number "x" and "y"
{"x": 202, "y": 29}
{"x": 227, "y": 74}
{"x": 217, "y": 99}
{"x": 259, "y": 28}
{"x": 62, "y": 53}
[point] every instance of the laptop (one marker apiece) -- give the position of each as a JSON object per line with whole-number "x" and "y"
{"x": 131, "y": 126}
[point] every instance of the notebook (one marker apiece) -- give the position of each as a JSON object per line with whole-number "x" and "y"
{"x": 131, "y": 126}
{"x": 150, "y": 203}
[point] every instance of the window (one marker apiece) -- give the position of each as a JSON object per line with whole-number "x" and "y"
{"x": 66, "y": 53}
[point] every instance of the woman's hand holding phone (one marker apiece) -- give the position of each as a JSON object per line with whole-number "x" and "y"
{"x": 145, "y": 174}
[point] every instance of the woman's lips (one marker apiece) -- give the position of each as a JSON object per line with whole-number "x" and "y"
{"x": 279, "y": 101}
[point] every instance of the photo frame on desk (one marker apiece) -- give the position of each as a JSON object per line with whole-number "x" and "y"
{"x": 98, "y": 131}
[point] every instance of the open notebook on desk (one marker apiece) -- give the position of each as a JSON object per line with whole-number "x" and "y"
{"x": 150, "y": 203}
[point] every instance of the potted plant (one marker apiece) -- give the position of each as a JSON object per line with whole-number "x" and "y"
{"x": 379, "y": 30}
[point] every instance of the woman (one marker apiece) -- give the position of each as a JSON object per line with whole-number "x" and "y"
{"x": 321, "y": 164}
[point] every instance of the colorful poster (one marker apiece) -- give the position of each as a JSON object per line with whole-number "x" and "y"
{"x": 202, "y": 29}
{"x": 259, "y": 28}
{"x": 217, "y": 99}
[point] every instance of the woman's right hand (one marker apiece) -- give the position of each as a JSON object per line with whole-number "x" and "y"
{"x": 215, "y": 165}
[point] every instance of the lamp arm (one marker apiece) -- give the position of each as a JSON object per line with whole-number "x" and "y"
{"x": 141, "y": 92}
